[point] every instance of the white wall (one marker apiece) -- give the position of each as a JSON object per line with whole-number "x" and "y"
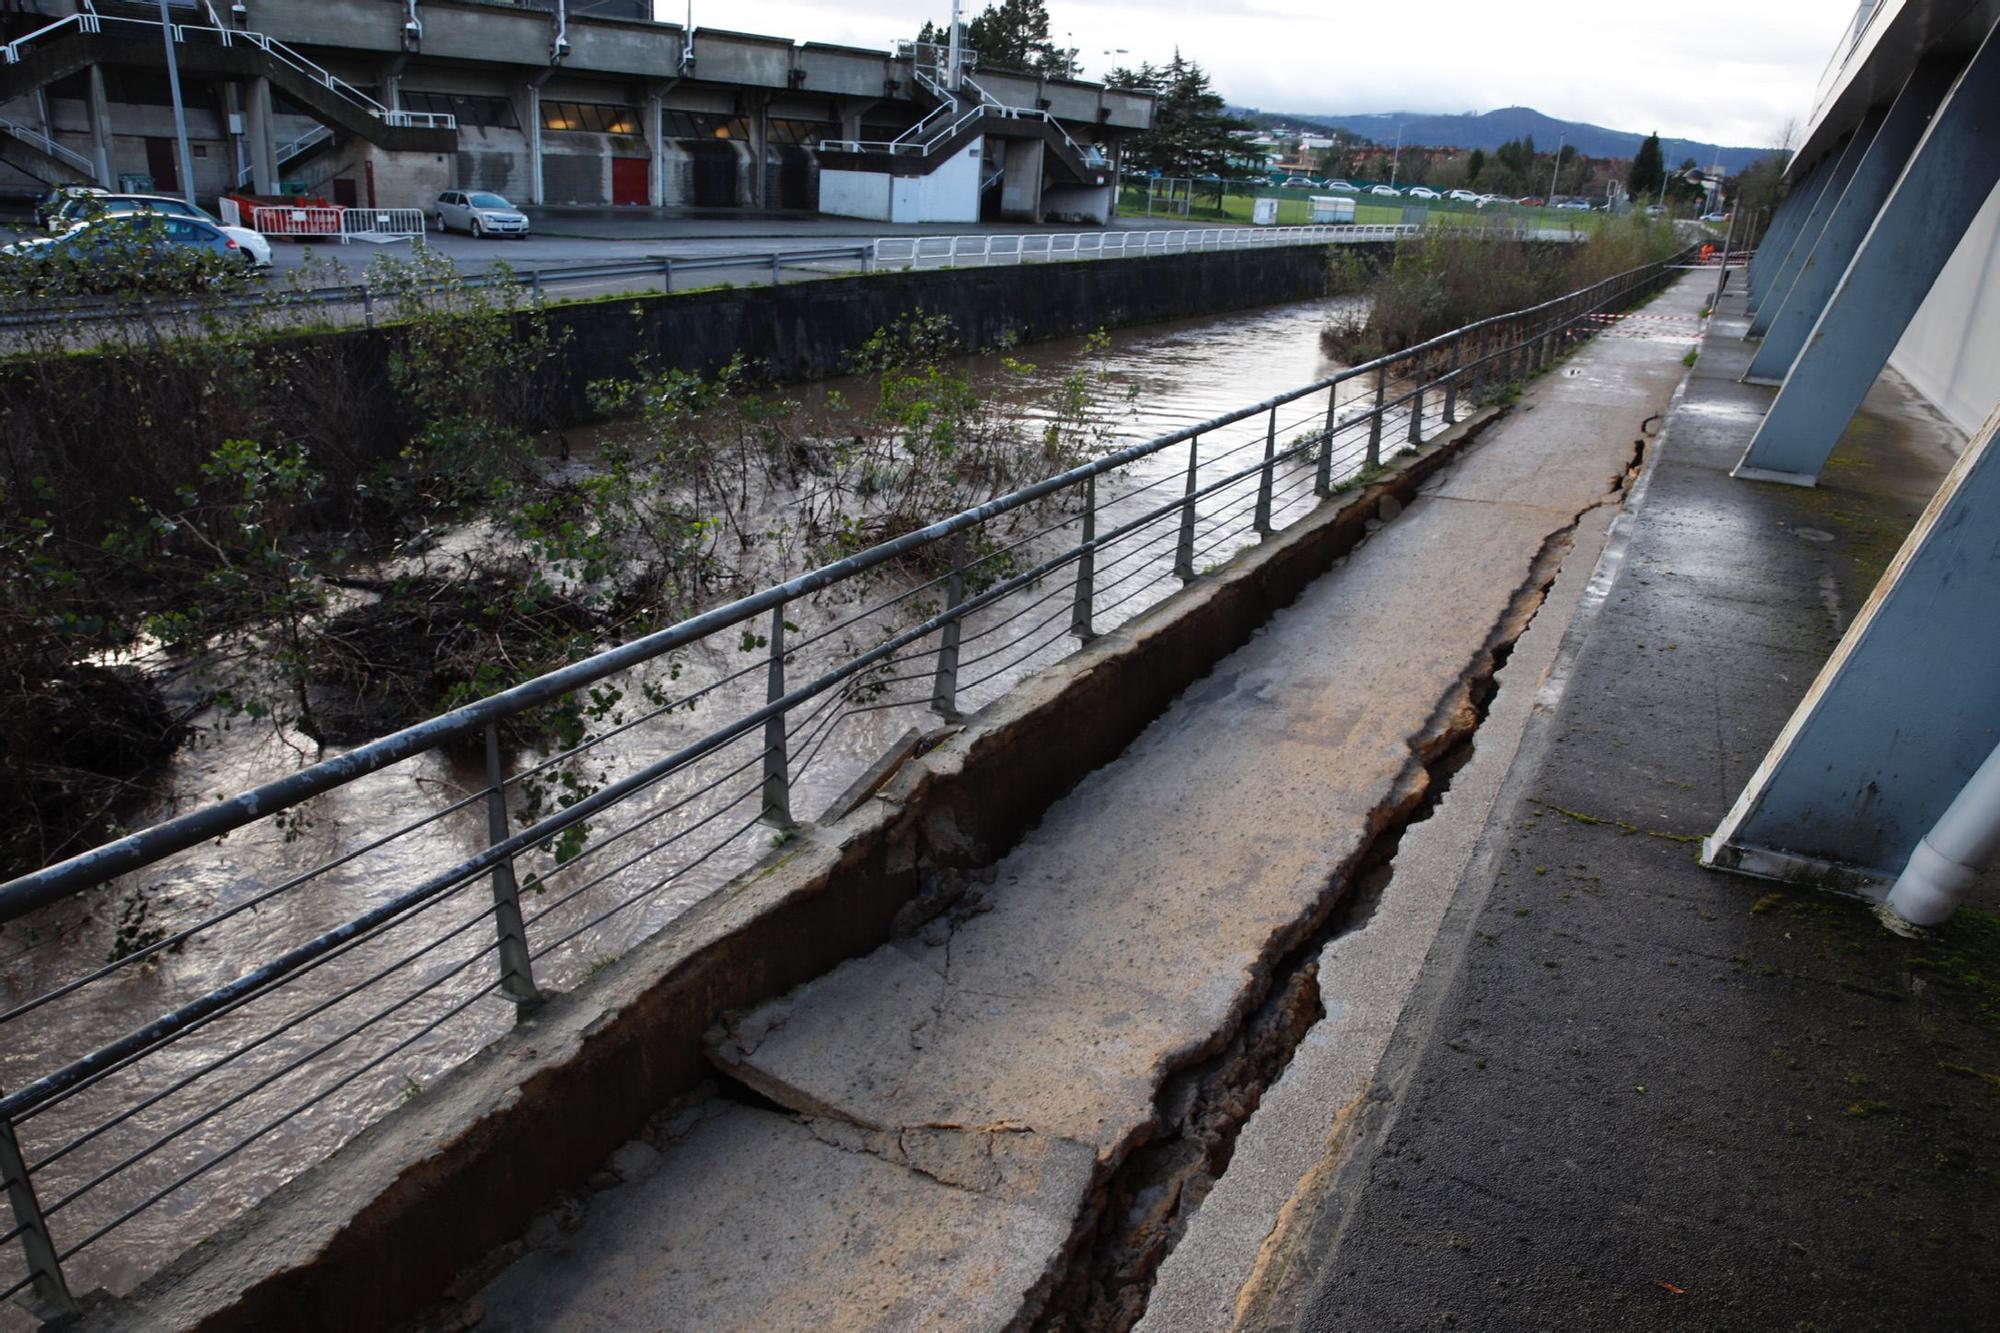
{"x": 950, "y": 193}
{"x": 1951, "y": 351}
{"x": 854, "y": 194}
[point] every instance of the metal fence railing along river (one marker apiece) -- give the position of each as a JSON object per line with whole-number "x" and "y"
{"x": 662, "y": 272}
{"x": 134, "y": 1094}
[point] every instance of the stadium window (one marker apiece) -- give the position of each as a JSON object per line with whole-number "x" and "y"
{"x": 590, "y": 118}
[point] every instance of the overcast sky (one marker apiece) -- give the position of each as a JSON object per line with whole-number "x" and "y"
{"x": 1730, "y": 73}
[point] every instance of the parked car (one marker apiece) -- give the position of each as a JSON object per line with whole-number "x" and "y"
{"x": 156, "y": 244}
{"x": 1463, "y": 196}
{"x": 1424, "y": 192}
{"x": 480, "y": 212}
{"x": 1388, "y": 191}
{"x": 1340, "y": 187}
{"x": 1575, "y": 205}
{"x": 97, "y": 203}
{"x": 52, "y": 203}
{"x": 1715, "y": 217}
{"x": 1296, "y": 183}
{"x": 1531, "y": 201}
{"x": 1656, "y": 210}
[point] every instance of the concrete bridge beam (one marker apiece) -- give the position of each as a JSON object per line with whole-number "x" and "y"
{"x": 1947, "y": 182}
{"x": 1799, "y": 207}
{"x": 1802, "y": 246}
{"x": 1899, "y": 718}
{"x": 1793, "y": 315}
{"x": 1777, "y": 238}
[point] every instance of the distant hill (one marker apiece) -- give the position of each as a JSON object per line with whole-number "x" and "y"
{"x": 1492, "y": 128}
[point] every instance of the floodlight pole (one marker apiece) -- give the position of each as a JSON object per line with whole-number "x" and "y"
{"x": 957, "y": 51}
{"x": 180, "y": 116}
{"x": 1562, "y": 141}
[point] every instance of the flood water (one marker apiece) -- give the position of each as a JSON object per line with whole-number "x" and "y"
{"x": 137, "y": 1166}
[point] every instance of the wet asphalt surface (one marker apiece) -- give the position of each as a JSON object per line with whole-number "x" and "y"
{"x": 1636, "y": 1094}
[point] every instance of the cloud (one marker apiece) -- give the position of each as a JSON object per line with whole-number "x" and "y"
{"x": 1707, "y": 70}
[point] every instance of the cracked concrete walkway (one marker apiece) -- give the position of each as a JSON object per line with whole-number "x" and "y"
{"x": 948, "y": 1109}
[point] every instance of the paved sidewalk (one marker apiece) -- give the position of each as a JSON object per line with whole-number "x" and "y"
{"x": 1632, "y": 1093}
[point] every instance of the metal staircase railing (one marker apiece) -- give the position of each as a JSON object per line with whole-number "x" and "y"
{"x": 69, "y": 157}
{"x": 312, "y": 138}
{"x": 13, "y": 52}
{"x": 922, "y": 138}
{"x": 1091, "y": 156}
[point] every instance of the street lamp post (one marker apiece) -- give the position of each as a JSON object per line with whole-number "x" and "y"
{"x": 180, "y": 116}
{"x": 1562, "y": 142}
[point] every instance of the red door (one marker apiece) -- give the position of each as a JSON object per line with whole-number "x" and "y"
{"x": 162, "y": 166}
{"x": 629, "y": 181}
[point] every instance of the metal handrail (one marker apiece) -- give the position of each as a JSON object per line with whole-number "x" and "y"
{"x": 37, "y": 139}
{"x": 1484, "y": 356}
{"x": 225, "y": 36}
{"x": 88, "y": 869}
{"x": 318, "y": 134}
{"x": 1093, "y": 155}
{"x": 867, "y": 256}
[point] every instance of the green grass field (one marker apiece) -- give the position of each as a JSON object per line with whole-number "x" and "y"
{"x": 1295, "y": 210}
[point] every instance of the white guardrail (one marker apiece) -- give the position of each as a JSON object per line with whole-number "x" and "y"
{"x": 954, "y": 251}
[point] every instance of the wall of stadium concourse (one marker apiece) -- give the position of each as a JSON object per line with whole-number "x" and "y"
{"x": 581, "y": 108}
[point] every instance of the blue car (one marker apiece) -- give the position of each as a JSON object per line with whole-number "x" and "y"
{"x": 161, "y": 250}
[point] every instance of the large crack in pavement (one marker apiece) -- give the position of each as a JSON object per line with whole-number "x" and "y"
{"x": 1147, "y": 1203}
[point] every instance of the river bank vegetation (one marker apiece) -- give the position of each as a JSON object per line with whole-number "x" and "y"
{"x": 1444, "y": 279}
{"x": 235, "y": 517}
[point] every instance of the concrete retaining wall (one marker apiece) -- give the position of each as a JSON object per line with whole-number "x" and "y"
{"x": 808, "y": 330}
{"x": 365, "y": 1239}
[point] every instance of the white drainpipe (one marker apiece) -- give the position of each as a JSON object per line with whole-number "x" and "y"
{"x": 1963, "y": 843}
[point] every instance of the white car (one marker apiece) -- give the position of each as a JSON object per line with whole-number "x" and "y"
{"x": 1340, "y": 187}
{"x": 1575, "y": 205}
{"x": 87, "y": 204}
{"x": 1388, "y": 191}
{"x": 1463, "y": 196}
{"x": 480, "y": 212}
{"x": 1424, "y": 192}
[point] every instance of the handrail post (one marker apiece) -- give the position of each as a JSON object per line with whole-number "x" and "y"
{"x": 777, "y": 776}
{"x": 49, "y": 1291}
{"x": 776, "y": 280}
{"x": 1457, "y": 367}
{"x": 1086, "y": 565}
{"x": 1264, "y": 478}
{"x": 1416, "y": 433}
{"x": 667, "y": 274}
{"x": 1184, "y": 548}
{"x": 1375, "y": 421}
{"x": 1323, "y": 479}
{"x": 944, "y": 688}
{"x": 517, "y": 974}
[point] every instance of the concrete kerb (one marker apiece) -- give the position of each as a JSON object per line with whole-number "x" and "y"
{"x": 366, "y": 1238}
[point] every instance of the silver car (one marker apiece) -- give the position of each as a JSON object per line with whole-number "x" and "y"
{"x": 480, "y": 212}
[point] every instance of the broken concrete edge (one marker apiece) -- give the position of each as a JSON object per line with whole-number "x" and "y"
{"x": 368, "y": 1237}
{"x": 1305, "y": 1240}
